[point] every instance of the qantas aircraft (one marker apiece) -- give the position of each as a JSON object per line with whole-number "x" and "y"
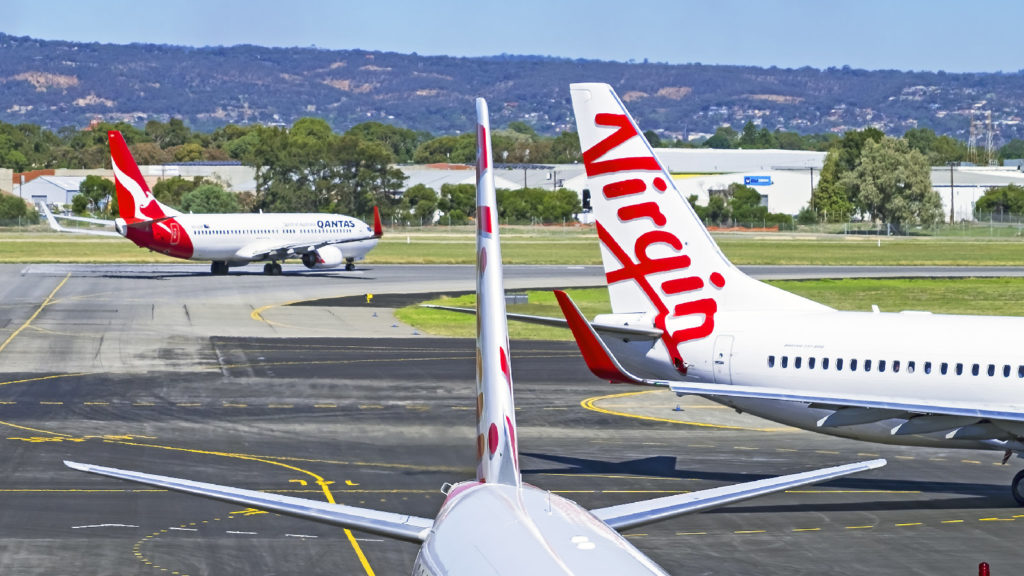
{"x": 496, "y": 524}
{"x": 227, "y": 240}
{"x": 684, "y": 317}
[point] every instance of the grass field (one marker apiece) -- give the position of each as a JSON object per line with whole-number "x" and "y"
{"x": 994, "y": 296}
{"x": 571, "y": 245}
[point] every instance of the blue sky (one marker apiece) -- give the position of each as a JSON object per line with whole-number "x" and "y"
{"x": 980, "y": 36}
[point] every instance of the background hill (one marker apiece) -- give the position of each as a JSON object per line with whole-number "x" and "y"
{"x": 56, "y": 84}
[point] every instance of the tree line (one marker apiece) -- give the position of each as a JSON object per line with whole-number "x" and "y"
{"x": 308, "y": 167}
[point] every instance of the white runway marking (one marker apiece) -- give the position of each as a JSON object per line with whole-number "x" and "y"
{"x": 105, "y": 526}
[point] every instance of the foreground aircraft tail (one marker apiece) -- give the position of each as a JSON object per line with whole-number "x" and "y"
{"x": 135, "y": 202}
{"x": 659, "y": 260}
{"x": 497, "y": 454}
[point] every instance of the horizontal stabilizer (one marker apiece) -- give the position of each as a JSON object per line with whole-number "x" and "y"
{"x": 52, "y": 221}
{"x": 595, "y": 353}
{"x": 638, "y": 332}
{"x": 400, "y": 526}
{"x": 634, "y": 514}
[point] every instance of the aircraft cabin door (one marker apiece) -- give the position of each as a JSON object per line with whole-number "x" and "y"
{"x": 723, "y": 360}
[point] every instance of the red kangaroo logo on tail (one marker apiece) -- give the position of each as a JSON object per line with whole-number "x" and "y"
{"x": 639, "y": 266}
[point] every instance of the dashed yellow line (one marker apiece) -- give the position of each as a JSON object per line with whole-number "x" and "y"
{"x": 909, "y": 524}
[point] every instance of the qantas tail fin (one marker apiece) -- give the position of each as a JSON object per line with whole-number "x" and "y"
{"x": 659, "y": 259}
{"x": 497, "y": 453}
{"x": 134, "y": 200}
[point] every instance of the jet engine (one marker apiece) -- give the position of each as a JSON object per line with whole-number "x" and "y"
{"x": 325, "y": 257}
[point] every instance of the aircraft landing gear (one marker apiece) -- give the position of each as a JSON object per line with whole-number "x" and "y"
{"x": 1017, "y": 487}
{"x": 272, "y": 269}
{"x": 350, "y": 264}
{"x": 218, "y": 268}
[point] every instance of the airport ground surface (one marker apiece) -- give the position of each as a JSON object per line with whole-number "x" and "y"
{"x": 167, "y": 370}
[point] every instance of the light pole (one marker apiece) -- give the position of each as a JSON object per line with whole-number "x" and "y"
{"x": 951, "y": 192}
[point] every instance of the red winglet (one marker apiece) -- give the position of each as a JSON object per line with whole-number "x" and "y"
{"x": 378, "y": 230}
{"x": 594, "y": 353}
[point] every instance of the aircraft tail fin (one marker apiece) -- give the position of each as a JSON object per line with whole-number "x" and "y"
{"x": 659, "y": 259}
{"x": 378, "y": 230}
{"x": 497, "y": 453}
{"x": 134, "y": 199}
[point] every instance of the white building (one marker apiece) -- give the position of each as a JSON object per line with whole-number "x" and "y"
{"x": 54, "y": 190}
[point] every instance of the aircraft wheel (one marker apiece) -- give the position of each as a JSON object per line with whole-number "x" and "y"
{"x": 268, "y": 269}
{"x": 1017, "y": 487}
{"x": 350, "y": 266}
{"x": 275, "y": 269}
{"x": 218, "y": 268}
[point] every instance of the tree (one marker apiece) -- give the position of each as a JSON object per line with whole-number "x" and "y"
{"x": 80, "y": 204}
{"x": 401, "y": 141}
{"x": 12, "y": 207}
{"x": 725, "y": 137}
{"x": 1012, "y": 149}
{"x": 95, "y": 190}
{"x": 1002, "y": 200}
{"x": 830, "y": 198}
{"x": 745, "y": 205}
{"x": 419, "y": 203}
{"x": 892, "y": 184}
{"x": 171, "y": 190}
{"x": 652, "y": 138}
{"x": 457, "y": 198}
{"x": 210, "y": 199}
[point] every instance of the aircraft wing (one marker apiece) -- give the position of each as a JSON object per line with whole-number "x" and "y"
{"x": 636, "y": 332}
{"x": 52, "y": 221}
{"x": 273, "y": 251}
{"x": 626, "y": 516}
{"x": 400, "y": 526}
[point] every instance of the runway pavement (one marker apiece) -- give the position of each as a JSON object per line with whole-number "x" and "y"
{"x": 169, "y": 370}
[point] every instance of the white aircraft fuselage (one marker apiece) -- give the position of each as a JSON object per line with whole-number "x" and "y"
{"x": 914, "y": 357}
{"x": 242, "y": 238}
{"x": 523, "y": 530}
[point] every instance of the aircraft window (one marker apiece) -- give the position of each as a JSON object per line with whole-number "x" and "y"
{"x": 1006, "y": 370}
{"x": 771, "y": 361}
{"x": 895, "y": 365}
{"x": 943, "y": 368}
{"x": 1020, "y": 371}
{"x": 824, "y": 363}
{"x": 839, "y": 364}
{"x": 867, "y": 365}
{"x": 881, "y": 365}
{"x": 927, "y": 367}
{"x": 853, "y": 365}
{"x": 959, "y": 368}
{"x": 796, "y": 362}
{"x": 810, "y": 363}
{"x": 911, "y": 366}
{"x": 991, "y": 369}
{"x": 975, "y": 369}
{"x": 785, "y": 361}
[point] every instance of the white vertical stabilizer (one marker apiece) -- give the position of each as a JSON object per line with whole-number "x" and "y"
{"x": 659, "y": 259}
{"x": 497, "y": 454}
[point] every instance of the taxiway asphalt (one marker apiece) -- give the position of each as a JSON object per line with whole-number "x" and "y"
{"x": 174, "y": 372}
